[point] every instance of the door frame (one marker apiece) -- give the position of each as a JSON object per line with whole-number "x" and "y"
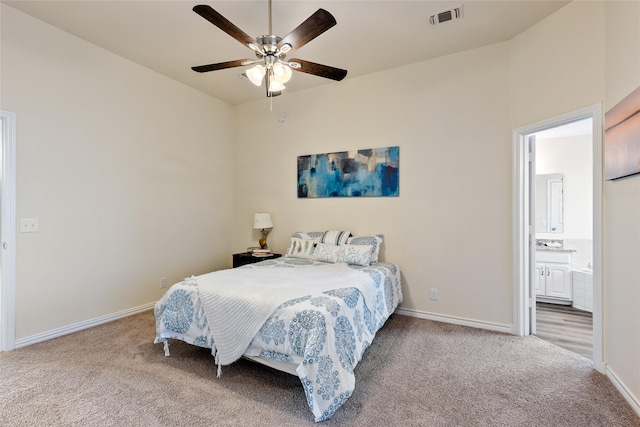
{"x": 8, "y": 233}
{"x": 524, "y": 231}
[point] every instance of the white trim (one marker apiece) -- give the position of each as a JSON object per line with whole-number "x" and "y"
{"x": 519, "y": 203}
{"x": 598, "y": 221}
{"x": 623, "y": 389}
{"x": 498, "y": 327}
{"x": 55, "y": 333}
{"x": 520, "y": 247}
{"x": 8, "y": 233}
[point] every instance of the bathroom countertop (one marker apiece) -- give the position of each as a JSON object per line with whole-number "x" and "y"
{"x": 552, "y": 249}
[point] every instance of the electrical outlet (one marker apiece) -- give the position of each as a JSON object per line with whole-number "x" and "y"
{"x": 434, "y": 294}
{"x": 163, "y": 282}
{"x": 29, "y": 225}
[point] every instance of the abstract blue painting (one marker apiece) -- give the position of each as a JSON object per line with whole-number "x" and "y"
{"x": 372, "y": 172}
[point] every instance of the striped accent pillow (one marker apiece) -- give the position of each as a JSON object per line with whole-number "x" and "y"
{"x": 335, "y": 237}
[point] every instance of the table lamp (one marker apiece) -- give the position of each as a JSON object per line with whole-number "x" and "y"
{"x": 262, "y": 221}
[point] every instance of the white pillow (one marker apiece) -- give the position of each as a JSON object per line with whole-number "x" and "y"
{"x": 374, "y": 241}
{"x": 335, "y": 237}
{"x": 300, "y": 248}
{"x": 356, "y": 254}
{"x": 327, "y": 253}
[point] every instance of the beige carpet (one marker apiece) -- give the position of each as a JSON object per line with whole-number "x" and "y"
{"x": 416, "y": 373}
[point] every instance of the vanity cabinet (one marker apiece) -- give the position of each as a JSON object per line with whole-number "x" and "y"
{"x": 553, "y": 279}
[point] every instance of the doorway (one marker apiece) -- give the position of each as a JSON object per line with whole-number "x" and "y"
{"x": 526, "y": 218}
{"x": 564, "y": 236}
{"x": 7, "y": 230}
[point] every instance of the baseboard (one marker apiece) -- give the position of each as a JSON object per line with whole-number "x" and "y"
{"x": 624, "y": 391}
{"x": 457, "y": 320}
{"x": 55, "y": 333}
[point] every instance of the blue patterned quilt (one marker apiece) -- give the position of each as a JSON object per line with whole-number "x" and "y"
{"x": 324, "y": 335}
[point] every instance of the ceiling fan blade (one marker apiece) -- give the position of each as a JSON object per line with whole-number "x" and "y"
{"x": 208, "y": 13}
{"x": 222, "y": 65}
{"x": 315, "y": 25}
{"x": 325, "y": 71}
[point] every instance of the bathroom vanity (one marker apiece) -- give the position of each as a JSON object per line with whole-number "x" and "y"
{"x": 554, "y": 282}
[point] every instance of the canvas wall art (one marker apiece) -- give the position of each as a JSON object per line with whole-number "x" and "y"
{"x": 622, "y": 138}
{"x": 371, "y": 172}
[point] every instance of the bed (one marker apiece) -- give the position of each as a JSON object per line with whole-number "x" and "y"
{"x": 311, "y": 313}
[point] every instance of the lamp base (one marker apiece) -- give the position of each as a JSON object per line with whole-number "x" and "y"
{"x": 263, "y": 239}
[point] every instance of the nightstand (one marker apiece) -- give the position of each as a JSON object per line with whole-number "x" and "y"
{"x": 245, "y": 258}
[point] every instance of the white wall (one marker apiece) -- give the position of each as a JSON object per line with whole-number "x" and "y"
{"x": 621, "y": 208}
{"x": 572, "y": 156}
{"x": 557, "y": 66}
{"x": 126, "y": 170}
{"x": 450, "y": 228}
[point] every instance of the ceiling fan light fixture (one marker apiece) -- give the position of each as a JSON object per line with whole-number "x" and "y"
{"x": 255, "y": 74}
{"x": 275, "y": 85}
{"x": 281, "y": 72}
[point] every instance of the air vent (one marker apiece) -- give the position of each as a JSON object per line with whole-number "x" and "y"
{"x": 446, "y": 15}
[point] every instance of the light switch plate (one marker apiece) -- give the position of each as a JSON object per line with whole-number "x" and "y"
{"x": 28, "y": 225}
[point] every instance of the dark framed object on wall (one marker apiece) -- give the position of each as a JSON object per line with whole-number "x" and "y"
{"x": 622, "y": 138}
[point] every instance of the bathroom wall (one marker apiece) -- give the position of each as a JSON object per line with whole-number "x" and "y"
{"x": 572, "y": 156}
{"x": 583, "y": 256}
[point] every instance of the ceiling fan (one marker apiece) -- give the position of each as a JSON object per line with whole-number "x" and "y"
{"x": 272, "y": 50}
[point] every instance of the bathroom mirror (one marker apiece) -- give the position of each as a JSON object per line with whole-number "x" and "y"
{"x": 549, "y": 209}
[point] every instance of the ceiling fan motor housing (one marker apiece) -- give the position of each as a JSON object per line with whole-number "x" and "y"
{"x": 269, "y": 45}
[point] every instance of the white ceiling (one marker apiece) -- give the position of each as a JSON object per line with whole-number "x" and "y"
{"x": 370, "y": 36}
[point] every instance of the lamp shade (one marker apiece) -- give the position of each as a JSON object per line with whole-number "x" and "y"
{"x": 262, "y": 220}
{"x": 281, "y": 73}
{"x": 275, "y": 86}
{"x": 255, "y": 74}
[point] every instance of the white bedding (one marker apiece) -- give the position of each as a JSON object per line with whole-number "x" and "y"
{"x": 238, "y": 302}
{"x": 324, "y": 334}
